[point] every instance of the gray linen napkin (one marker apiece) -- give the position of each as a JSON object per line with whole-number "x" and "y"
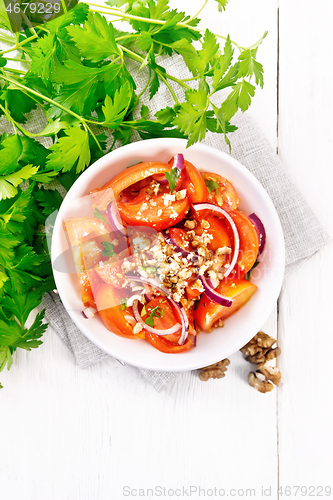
{"x": 303, "y": 234}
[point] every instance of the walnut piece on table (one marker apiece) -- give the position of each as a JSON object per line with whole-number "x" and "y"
{"x": 260, "y": 351}
{"x": 217, "y": 370}
{"x": 258, "y": 381}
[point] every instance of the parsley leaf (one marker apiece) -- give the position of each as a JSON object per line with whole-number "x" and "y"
{"x": 115, "y": 111}
{"x": 207, "y": 54}
{"x": 240, "y": 97}
{"x": 172, "y": 178}
{"x": 211, "y": 185}
{"x": 248, "y": 66}
{"x": 9, "y": 183}
{"x": 156, "y": 312}
{"x": 123, "y": 304}
{"x": 222, "y": 4}
{"x": 108, "y": 249}
{"x": 72, "y": 149}
{"x": 99, "y": 215}
{"x": 191, "y": 117}
{"x": 95, "y": 39}
{"x": 143, "y": 311}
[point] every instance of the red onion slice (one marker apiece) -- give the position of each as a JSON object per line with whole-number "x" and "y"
{"x": 89, "y": 312}
{"x": 166, "y": 292}
{"x": 114, "y": 217}
{"x": 261, "y": 231}
{"x": 220, "y": 211}
{"x": 178, "y": 162}
{"x": 156, "y": 331}
{"x": 213, "y": 295}
{"x": 184, "y": 253}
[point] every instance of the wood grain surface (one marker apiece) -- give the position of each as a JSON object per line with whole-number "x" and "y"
{"x": 96, "y": 434}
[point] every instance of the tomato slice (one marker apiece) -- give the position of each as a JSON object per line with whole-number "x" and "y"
{"x": 218, "y": 229}
{"x": 194, "y": 184}
{"x": 166, "y": 346}
{"x": 166, "y": 318}
{"x": 192, "y": 293}
{"x": 209, "y": 312}
{"x": 86, "y": 290}
{"x": 226, "y": 196}
{"x": 112, "y": 313}
{"x": 141, "y": 212}
{"x": 248, "y": 238}
{"x": 126, "y": 178}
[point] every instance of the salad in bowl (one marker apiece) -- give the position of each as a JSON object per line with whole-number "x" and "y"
{"x": 165, "y": 252}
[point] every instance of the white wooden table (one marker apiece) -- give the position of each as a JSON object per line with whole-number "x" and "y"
{"x": 103, "y": 434}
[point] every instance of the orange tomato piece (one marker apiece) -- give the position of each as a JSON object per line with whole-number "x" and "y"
{"x": 248, "y": 238}
{"x": 111, "y": 312}
{"x": 217, "y": 228}
{"x": 209, "y": 312}
{"x": 140, "y": 212}
{"x": 126, "y": 178}
{"x": 194, "y": 184}
{"x": 226, "y": 196}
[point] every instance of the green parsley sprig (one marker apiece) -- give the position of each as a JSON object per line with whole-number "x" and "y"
{"x": 156, "y": 312}
{"x": 75, "y": 70}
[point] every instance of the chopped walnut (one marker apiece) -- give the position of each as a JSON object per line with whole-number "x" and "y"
{"x": 218, "y": 370}
{"x": 259, "y": 382}
{"x": 205, "y": 224}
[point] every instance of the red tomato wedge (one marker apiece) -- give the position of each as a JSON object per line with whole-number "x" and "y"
{"x": 209, "y": 312}
{"x": 194, "y": 184}
{"x": 164, "y": 345}
{"x": 226, "y": 196}
{"x": 158, "y": 216}
{"x": 126, "y": 178}
{"x": 166, "y": 318}
{"x": 108, "y": 302}
{"x": 85, "y": 289}
{"x": 218, "y": 229}
{"x": 249, "y": 241}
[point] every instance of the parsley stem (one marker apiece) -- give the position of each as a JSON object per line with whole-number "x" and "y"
{"x": 38, "y": 94}
{"x": 164, "y": 77}
{"x": 9, "y": 118}
{"x": 51, "y": 101}
{"x": 147, "y": 84}
{"x": 14, "y": 70}
{"x": 114, "y": 11}
{"x": 130, "y": 35}
{"x": 16, "y": 59}
{"x": 64, "y": 7}
{"x": 196, "y": 15}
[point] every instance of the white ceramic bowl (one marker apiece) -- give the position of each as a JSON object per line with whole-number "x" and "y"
{"x": 240, "y": 327}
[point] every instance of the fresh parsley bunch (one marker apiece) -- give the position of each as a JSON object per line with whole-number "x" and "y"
{"x": 75, "y": 70}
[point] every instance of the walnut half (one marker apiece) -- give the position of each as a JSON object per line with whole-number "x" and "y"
{"x": 258, "y": 381}
{"x": 218, "y": 370}
{"x": 260, "y": 351}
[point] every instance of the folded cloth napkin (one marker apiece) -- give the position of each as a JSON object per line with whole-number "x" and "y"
{"x": 302, "y": 231}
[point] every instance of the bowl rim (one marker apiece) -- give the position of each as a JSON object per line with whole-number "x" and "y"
{"x": 89, "y": 174}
